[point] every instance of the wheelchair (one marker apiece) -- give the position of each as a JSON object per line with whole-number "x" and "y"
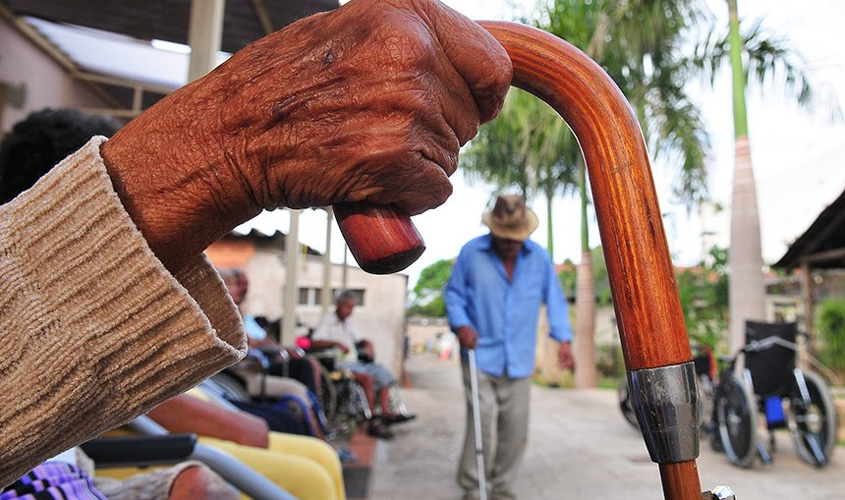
{"x": 767, "y": 385}
{"x": 345, "y": 400}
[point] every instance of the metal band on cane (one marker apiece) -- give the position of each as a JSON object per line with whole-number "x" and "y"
{"x": 665, "y": 400}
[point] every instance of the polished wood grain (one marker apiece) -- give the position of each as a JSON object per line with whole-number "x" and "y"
{"x": 680, "y": 481}
{"x": 382, "y": 239}
{"x": 642, "y": 278}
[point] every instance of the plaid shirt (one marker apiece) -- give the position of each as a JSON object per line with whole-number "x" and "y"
{"x": 53, "y": 480}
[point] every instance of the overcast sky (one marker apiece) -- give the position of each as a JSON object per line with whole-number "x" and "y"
{"x": 797, "y": 157}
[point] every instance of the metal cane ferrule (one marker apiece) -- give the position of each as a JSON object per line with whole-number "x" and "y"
{"x": 665, "y": 400}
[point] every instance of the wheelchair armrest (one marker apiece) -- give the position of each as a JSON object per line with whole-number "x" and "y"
{"x": 139, "y": 451}
{"x": 275, "y": 351}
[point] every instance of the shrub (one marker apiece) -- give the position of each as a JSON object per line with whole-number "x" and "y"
{"x": 830, "y": 325}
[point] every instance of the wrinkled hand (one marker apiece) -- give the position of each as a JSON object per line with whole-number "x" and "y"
{"x": 368, "y": 102}
{"x": 467, "y": 336}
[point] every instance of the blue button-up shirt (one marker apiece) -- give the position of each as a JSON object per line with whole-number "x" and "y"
{"x": 505, "y": 313}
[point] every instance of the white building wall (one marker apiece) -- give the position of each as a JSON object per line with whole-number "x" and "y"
{"x": 381, "y": 318}
{"x": 46, "y": 82}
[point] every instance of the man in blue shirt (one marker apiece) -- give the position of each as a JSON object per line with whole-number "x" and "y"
{"x": 493, "y": 301}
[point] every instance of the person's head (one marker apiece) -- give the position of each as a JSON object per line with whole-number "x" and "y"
{"x": 236, "y": 282}
{"x": 344, "y": 305}
{"x": 511, "y": 222}
{"x": 44, "y": 138}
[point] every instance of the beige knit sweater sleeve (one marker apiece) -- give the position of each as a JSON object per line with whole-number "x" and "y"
{"x": 93, "y": 329}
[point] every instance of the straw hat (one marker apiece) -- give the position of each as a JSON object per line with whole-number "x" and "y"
{"x": 510, "y": 218}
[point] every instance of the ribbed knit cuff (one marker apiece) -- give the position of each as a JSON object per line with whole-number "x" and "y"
{"x": 93, "y": 328}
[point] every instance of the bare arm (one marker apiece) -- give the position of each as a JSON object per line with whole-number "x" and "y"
{"x": 186, "y": 413}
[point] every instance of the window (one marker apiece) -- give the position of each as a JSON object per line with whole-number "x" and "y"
{"x": 304, "y": 296}
{"x": 313, "y": 296}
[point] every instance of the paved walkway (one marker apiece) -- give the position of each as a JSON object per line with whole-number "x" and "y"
{"x": 579, "y": 448}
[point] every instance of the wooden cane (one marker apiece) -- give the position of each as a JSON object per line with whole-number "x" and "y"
{"x": 642, "y": 279}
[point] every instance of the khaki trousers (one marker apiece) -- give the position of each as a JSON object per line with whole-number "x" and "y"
{"x": 504, "y": 404}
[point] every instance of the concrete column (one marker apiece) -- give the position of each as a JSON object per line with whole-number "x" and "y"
{"x": 205, "y": 33}
{"x": 326, "y": 298}
{"x": 291, "y": 295}
{"x": 344, "y": 281}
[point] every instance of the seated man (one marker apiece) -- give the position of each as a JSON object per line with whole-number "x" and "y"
{"x": 292, "y": 364}
{"x": 335, "y": 331}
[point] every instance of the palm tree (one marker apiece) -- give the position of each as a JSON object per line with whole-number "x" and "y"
{"x": 766, "y": 58}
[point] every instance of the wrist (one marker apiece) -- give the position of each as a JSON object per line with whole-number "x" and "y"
{"x": 166, "y": 180}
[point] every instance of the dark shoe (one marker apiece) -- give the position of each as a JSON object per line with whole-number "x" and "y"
{"x": 378, "y": 429}
{"x": 397, "y": 418}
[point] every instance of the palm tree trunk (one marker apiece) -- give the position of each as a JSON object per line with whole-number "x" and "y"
{"x": 549, "y": 226}
{"x": 746, "y": 279}
{"x": 585, "y": 302}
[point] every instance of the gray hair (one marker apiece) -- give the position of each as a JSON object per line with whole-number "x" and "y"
{"x": 344, "y": 296}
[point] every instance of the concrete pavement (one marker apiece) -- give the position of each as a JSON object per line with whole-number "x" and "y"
{"x": 580, "y": 447}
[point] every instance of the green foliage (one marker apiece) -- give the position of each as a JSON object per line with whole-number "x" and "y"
{"x": 643, "y": 46}
{"x": 704, "y": 298}
{"x": 527, "y": 148}
{"x": 428, "y": 292}
{"x": 602, "y": 283}
{"x": 609, "y": 361}
{"x": 766, "y": 59}
{"x": 568, "y": 277}
{"x": 830, "y": 325}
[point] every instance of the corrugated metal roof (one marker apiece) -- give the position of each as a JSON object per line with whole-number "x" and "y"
{"x": 825, "y": 234}
{"x": 146, "y": 20}
{"x": 168, "y": 19}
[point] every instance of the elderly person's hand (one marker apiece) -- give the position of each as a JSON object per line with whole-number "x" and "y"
{"x": 369, "y": 102}
{"x": 467, "y": 336}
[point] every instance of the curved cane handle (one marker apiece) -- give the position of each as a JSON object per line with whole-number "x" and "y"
{"x": 638, "y": 259}
{"x": 383, "y": 239}
{"x": 639, "y": 265}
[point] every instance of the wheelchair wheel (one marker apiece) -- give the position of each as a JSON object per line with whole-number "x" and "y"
{"x": 706, "y": 390}
{"x": 812, "y": 418}
{"x": 736, "y": 409}
{"x": 626, "y": 405}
